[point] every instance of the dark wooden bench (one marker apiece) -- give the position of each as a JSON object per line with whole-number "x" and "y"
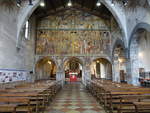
{"x": 142, "y": 107}
{"x": 125, "y": 102}
{"x": 23, "y": 103}
{"x": 111, "y": 95}
{"x": 28, "y": 97}
{"x": 8, "y": 108}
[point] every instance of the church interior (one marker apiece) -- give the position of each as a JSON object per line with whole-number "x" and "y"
{"x": 74, "y": 56}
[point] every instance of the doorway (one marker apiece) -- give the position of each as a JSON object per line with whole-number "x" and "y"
{"x": 73, "y": 70}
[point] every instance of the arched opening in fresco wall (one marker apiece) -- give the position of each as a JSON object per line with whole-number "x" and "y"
{"x": 45, "y": 69}
{"x": 73, "y": 69}
{"x": 101, "y": 68}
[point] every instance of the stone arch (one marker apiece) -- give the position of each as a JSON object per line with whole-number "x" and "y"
{"x": 27, "y": 10}
{"x": 67, "y": 59}
{"x": 101, "y": 57}
{"x": 43, "y": 66}
{"x": 73, "y": 65}
{"x": 101, "y": 68}
{"x": 139, "y": 26}
{"x": 23, "y": 15}
{"x": 48, "y": 57}
{"x": 136, "y": 42}
{"x": 118, "y": 15}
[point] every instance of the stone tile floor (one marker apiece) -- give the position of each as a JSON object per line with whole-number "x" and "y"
{"x": 74, "y": 99}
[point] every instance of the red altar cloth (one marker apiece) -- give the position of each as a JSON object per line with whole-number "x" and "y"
{"x": 73, "y": 78}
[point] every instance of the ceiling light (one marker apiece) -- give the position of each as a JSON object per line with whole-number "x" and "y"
{"x": 124, "y": 2}
{"x": 69, "y": 3}
{"x": 98, "y": 3}
{"x": 42, "y": 4}
{"x": 49, "y": 62}
{"x": 97, "y": 61}
{"x": 18, "y": 3}
{"x": 112, "y": 2}
{"x": 140, "y": 54}
{"x": 120, "y": 60}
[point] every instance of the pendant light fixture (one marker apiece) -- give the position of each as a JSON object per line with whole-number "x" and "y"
{"x": 112, "y": 2}
{"x": 49, "y": 62}
{"x": 42, "y": 3}
{"x": 18, "y": 3}
{"x": 125, "y": 2}
{"x": 98, "y": 4}
{"x": 69, "y": 3}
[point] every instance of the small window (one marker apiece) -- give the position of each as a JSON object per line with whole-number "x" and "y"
{"x": 27, "y": 30}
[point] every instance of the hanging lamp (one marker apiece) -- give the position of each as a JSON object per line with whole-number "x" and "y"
{"x": 69, "y": 3}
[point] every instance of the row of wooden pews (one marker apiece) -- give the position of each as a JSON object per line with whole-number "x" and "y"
{"x": 28, "y": 98}
{"x": 120, "y": 97}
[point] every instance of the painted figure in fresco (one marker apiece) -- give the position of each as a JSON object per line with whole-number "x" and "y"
{"x": 89, "y": 47}
{"x": 81, "y": 46}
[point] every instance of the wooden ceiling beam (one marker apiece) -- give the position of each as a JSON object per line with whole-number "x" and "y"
{"x": 78, "y": 7}
{"x": 52, "y": 4}
{"x": 63, "y": 3}
{"x": 82, "y": 4}
{"x": 93, "y": 5}
{"x": 53, "y": 12}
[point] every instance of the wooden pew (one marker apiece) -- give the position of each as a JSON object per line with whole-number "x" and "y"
{"x": 23, "y": 103}
{"x": 28, "y": 94}
{"x": 109, "y": 93}
{"x": 8, "y": 108}
{"x": 35, "y": 98}
{"x": 142, "y": 107}
{"x": 126, "y": 102}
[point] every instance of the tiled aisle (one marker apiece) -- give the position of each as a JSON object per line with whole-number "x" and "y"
{"x": 74, "y": 99}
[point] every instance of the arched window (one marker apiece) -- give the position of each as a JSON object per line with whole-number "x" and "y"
{"x": 27, "y": 30}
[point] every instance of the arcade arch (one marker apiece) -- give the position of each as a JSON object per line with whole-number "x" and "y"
{"x": 45, "y": 68}
{"x": 139, "y": 53}
{"x": 101, "y": 68}
{"x": 73, "y": 67}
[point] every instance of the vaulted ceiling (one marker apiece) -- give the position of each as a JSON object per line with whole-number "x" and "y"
{"x": 54, "y": 6}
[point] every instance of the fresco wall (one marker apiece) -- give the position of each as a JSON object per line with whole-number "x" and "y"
{"x": 72, "y": 33}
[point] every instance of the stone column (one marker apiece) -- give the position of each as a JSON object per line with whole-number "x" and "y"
{"x": 60, "y": 75}
{"x": 116, "y": 75}
{"x": 135, "y": 71}
{"x": 86, "y": 74}
{"x": 32, "y": 77}
{"x": 128, "y": 72}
